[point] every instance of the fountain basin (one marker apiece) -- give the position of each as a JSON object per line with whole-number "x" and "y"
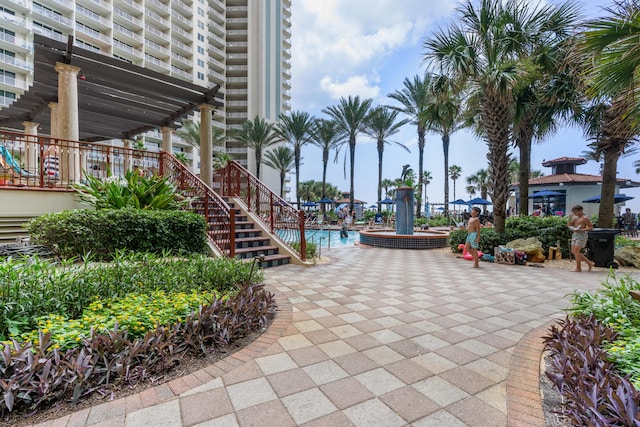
{"x": 423, "y": 239}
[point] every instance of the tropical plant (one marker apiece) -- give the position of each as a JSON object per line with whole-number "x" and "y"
{"x": 386, "y": 184}
{"x": 609, "y": 46}
{"x": 182, "y": 158}
{"x": 426, "y": 180}
{"x": 483, "y": 52}
{"x": 281, "y": 159}
{"x": 443, "y": 114}
{"x": 190, "y": 133}
{"x": 326, "y": 135}
{"x": 454, "y": 174}
{"x": 413, "y": 99}
{"x": 350, "y": 115}
{"x": 131, "y": 191}
{"x": 381, "y": 124}
{"x": 295, "y": 128}
{"x": 479, "y": 182}
{"x": 257, "y": 134}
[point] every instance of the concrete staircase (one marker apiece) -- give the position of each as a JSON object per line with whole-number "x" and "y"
{"x": 11, "y": 227}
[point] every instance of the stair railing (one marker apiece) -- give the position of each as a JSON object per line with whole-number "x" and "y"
{"x": 274, "y": 212}
{"x": 221, "y": 220}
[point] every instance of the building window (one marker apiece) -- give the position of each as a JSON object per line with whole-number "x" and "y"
{"x": 201, "y": 25}
{"x": 200, "y": 63}
{"x": 200, "y": 37}
{"x": 201, "y": 50}
{"x": 200, "y": 76}
{"x": 200, "y": 11}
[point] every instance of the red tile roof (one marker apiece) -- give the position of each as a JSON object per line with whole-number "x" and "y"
{"x": 560, "y": 160}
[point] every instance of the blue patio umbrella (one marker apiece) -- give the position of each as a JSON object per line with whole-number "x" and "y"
{"x": 372, "y": 207}
{"x": 326, "y": 200}
{"x": 617, "y": 198}
{"x": 340, "y": 206}
{"x": 459, "y": 202}
{"x": 386, "y": 201}
{"x": 308, "y": 204}
{"x": 545, "y": 193}
{"x": 478, "y": 201}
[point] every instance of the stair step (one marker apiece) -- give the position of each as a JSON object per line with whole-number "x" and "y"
{"x": 272, "y": 260}
{"x": 248, "y": 242}
{"x": 256, "y": 251}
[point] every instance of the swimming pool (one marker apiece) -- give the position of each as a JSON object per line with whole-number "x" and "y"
{"x": 330, "y": 238}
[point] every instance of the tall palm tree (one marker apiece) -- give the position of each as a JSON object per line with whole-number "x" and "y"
{"x": 381, "y": 124}
{"x": 454, "y": 174}
{"x": 281, "y": 159}
{"x": 483, "y": 50}
{"x": 350, "y": 115}
{"x": 295, "y": 127}
{"x": 480, "y": 182}
{"x": 326, "y": 135}
{"x": 257, "y": 134}
{"x": 413, "y": 98}
{"x": 443, "y": 114}
{"x": 610, "y": 46}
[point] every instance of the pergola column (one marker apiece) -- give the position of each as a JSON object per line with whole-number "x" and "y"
{"x": 206, "y": 144}
{"x": 31, "y": 148}
{"x": 68, "y": 121}
{"x": 127, "y": 155}
{"x": 166, "y": 139}
{"x": 190, "y": 152}
{"x": 55, "y": 129}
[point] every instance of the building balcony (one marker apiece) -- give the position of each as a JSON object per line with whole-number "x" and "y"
{"x": 62, "y": 6}
{"x": 123, "y": 16}
{"x": 180, "y": 20}
{"x": 157, "y": 19}
{"x": 156, "y": 50}
{"x": 13, "y": 64}
{"x": 17, "y": 45}
{"x": 132, "y": 6}
{"x": 158, "y": 6}
{"x": 123, "y": 33}
{"x": 93, "y": 36}
{"x": 178, "y": 59}
{"x": 99, "y": 6}
{"x": 154, "y": 33}
{"x": 183, "y": 48}
{"x": 183, "y": 7}
{"x": 176, "y": 31}
{"x": 19, "y": 6}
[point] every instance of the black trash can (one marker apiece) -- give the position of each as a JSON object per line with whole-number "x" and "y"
{"x": 601, "y": 246}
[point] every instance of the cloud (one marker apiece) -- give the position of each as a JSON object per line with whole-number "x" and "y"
{"x": 339, "y": 47}
{"x": 354, "y": 85}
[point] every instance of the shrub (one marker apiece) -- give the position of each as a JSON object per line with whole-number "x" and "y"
{"x": 549, "y": 230}
{"x": 79, "y": 232}
{"x": 311, "y": 248}
{"x": 33, "y": 288}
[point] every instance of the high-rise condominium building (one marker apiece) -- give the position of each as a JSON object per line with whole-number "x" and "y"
{"x": 242, "y": 45}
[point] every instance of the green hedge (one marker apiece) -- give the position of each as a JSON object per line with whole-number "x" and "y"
{"x": 102, "y": 232}
{"x": 549, "y": 230}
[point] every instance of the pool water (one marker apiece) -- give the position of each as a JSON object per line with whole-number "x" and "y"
{"x": 330, "y": 238}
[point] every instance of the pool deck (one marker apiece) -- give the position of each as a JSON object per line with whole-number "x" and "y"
{"x": 376, "y": 337}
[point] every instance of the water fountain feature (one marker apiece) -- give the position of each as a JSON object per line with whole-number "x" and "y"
{"x": 404, "y": 237}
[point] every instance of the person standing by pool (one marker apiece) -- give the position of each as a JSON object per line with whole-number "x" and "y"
{"x": 473, "y": 236}
{"x": 580, "y": 224}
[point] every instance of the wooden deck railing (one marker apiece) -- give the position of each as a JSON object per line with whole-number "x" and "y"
{"x": 279, "y": 216}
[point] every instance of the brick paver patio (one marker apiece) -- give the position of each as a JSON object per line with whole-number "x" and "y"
{"x": 377, "y": 337}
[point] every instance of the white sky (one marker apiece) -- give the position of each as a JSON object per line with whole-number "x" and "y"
{"x": 365, "y": 48}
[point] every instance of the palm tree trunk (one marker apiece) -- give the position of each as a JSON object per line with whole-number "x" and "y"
{"x": 325, "y": 161}
{"x": 523, "y": 141}
{"x": 609, "y": 172}
{"x": 420, "y": 169}
{"x": 282, "y": 185}
{"x": 380, "y": 151}
{"x": 497, "y": 122}
{"x": 445, "y": 151}
{"x": 296, "y": 153}
{"x": 352, "y": 161}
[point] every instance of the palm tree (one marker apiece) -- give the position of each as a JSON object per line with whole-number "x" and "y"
{"x": 610, "y": 47}
{"x": 281, "y": 159}
{"x": 426, "y": 180}
{"x": 381, "y": 124}
{"x": 257, "y": 134}
{"x": 386, "y": 184}
{"x": 480, "y": 182}
{"x": 326, "y": 135}
{"x": 190, "y": 133}
{"x": 413, "y": 98}
{"x": 295, "y": 127}
{"x": 483, "y": 52}
{"x": 443, "y": 114}
{"x": 350, "y": 115}
{"x": 454, "y": 174}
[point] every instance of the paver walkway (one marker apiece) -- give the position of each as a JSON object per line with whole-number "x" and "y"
{"x": 378, "y": 337}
